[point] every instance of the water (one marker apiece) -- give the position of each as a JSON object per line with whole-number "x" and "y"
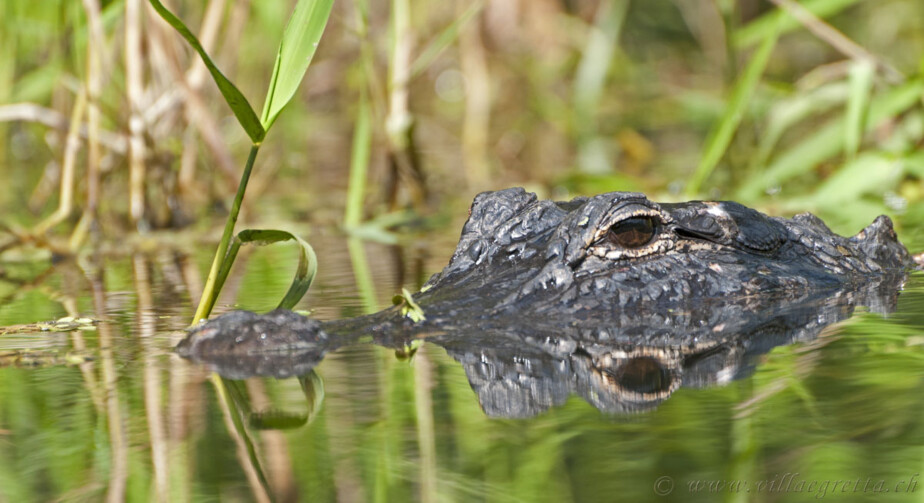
{"x": 111, "y": 411}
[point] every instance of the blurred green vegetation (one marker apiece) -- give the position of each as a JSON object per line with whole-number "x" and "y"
{"x": 750, "y": 100}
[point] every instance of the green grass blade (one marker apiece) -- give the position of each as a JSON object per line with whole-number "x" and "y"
{"x": 297, "y": 48}
{"x": 787, "y": 113}
{"x": 223, "y": 271}
{"x": 829, "y": 140}
{"x": 741, "y": 96}
{"x": 313, "y": 387}
{"x": 597, "y": 58}
{"x": 869, "y": 173}
{"x": 776, "y": 19}
{"x": 798, "y": 160}
{"x": 307, "y": 260}
{"x": 233, "y": 96}
{"x": 444, "y": 39}
{"x": 209, "y": 292}
{"x": 233, "y": 398}
{"x": 590, "y": 81}
{"x": 359, "y": 163}
{"x": 362, "y": 274}
{"x": 861, "y": 85}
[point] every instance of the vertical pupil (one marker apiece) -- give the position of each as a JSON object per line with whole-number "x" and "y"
{"x": 632, "y": 232}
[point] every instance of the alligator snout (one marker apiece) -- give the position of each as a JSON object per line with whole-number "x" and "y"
{"x": 241, "y": 333}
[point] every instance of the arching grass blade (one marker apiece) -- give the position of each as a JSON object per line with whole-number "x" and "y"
{"x": 233, "y": 96}
{"x": 304, "y": 274}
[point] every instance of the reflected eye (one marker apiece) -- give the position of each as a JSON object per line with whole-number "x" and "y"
{"x": 632, "y": 232}
{"x": 642, "y": 374}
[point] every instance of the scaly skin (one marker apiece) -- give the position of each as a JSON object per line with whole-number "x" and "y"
{"x": 552, "y": 257}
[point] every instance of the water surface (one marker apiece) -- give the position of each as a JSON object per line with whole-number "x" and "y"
{"x": 110, "y": 410}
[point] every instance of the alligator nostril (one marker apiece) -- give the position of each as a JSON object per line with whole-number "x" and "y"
{"x": 688, "y": 234}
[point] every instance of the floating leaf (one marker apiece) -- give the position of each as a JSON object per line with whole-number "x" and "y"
{"x": 65, "y": 324}
{"x": 409, "y": 308}
{"x": 408, "y": 351}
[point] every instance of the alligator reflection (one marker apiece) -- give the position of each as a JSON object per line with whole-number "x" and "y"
{"x": 618, "y": 362}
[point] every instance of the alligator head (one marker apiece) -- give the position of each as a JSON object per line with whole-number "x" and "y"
{"x": 611, "y": 287}
{"x": 622, "y": 251}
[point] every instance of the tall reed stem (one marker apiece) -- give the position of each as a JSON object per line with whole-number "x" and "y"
{"x": 209, "y": 294}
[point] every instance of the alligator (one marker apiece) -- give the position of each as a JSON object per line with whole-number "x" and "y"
{"x": 600, "y": 291}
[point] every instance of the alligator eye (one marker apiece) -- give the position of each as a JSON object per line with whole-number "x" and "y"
{"x": 632, "y": 232}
